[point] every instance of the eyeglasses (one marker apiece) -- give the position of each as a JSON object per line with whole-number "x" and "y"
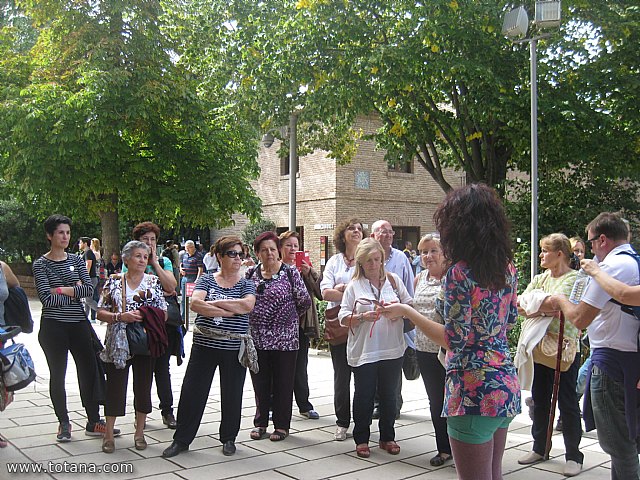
{"x": 364, "y": 301}
{"x": 234, "y": 254}
{"x": 593, "y": 239}
{"x": 386, "y": 232}
{"x": 353, "y": 228}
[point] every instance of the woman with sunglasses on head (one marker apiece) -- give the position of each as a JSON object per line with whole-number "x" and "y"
{"x": 126, "y": 298}
{"x": 427, "y": 288}
{"x": 281, "y": 297}
{"x": 289, "y": 247}
{"x": 337, "y": 274}
{"x": 375, "y": 346}
{"x": 222, "y": 301}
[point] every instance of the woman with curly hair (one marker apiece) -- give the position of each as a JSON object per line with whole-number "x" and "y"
{"x": 337, "y": 274}
{"x": 482, "y": 394}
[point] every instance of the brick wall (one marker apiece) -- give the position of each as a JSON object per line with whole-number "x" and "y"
{"x": 327, "y": 193}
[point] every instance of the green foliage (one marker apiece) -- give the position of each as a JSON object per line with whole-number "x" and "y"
{"x": 251, "y": 231}
{"x": 21, "y": 234}
{"x": 320, "y": 343}
{"x": 101, "y": 116}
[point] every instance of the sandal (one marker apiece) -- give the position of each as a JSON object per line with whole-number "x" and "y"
{"x": 259, "y": 433}
{"x": 362, "y": 450}
{"x": 391, "y": 447}
{"x": 108, "y": 446}
{"x": 140, "y": 443}
{"x": 278, "y": 435}
{"x": 440, "y": 459}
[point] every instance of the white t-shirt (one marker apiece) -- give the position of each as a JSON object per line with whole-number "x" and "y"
{"x": 371, "y": 342}
{"x": 612, "y": 328}
{"x": 336, "y": 271}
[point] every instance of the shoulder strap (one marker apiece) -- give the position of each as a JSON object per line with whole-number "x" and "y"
{"x": 392, "y": 281}
{"x": 633, "y": 311}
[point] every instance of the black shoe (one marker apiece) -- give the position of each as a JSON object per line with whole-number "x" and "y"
{"x": 170, "y": 421}
{"x": 174, "y": 449}
{"x": 559, "y": 425}
{"x": 228, "y": 448}
{"x": 376, "y": 413}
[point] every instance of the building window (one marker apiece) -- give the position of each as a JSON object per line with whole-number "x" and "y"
{"x": 284, "y": 164}
{"x": 401, "y": 165}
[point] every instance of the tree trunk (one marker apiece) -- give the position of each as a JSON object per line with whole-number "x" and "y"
{"x": 110, "y": 233}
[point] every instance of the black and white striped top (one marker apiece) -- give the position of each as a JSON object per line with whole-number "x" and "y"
{"x": 236, "y": 324}
{"x": 50, "y": 274}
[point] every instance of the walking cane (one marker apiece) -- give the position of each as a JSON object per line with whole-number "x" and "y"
{"x": 556, "y": 386}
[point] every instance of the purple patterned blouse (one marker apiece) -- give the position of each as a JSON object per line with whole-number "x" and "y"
{"x": 280, "y": 300}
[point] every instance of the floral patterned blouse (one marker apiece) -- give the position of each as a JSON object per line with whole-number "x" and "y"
{"x": 147, "y": 294}
{"x": 280, "y": 300}
{"x": 481, "y": 378}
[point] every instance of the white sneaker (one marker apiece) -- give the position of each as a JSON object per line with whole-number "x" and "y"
{"x": 529, "y": 458}
{"x": 341, "y": 434}
{"x": 571, "y": 468}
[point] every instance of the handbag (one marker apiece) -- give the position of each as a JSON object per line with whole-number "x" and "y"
{"x": 546, "y": 352}
{"x": 174, "y": 318}
{"x": 16, "y": 310}
{"x": 18, "y": 370}
{"x": 136, "y": 333}
{"x": 410, "y": 366}
{"x": 334, "y": 333}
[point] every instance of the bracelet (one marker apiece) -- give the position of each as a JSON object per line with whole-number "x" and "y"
{"x": 59, "y": 290}
{"x": 361, "y": 318}
{"x": 117, "y": 317}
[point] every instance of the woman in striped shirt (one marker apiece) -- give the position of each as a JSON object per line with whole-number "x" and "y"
{"x": 62, "y": 281}
{"x": 222, "y": 301}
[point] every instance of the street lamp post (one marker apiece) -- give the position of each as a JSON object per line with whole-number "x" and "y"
{"x": 267, "y": 141}
{"x": 516, "y": 24}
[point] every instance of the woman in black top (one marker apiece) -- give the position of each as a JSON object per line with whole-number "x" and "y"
{"x": 62, "y": 281}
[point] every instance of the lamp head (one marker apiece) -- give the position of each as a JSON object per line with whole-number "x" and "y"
{"x": 267, "y": 139}
{"x": 516, "y": 23}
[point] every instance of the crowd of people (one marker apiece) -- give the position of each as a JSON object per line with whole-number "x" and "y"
{"x": 455, "y": 314}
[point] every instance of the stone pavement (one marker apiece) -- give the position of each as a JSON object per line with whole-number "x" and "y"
{"x": 310, "y": 452}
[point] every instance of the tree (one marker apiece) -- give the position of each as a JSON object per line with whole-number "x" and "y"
{"x": 101, "y": 118}
{"x": 449, "y": 89}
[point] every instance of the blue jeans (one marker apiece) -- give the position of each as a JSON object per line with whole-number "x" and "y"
{"x": 607, "y": 399}
{"x": 582, "y": 376}
{"x": 183, "y": 291}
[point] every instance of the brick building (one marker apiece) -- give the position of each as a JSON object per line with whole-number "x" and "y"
{"x": 328, "y": 193}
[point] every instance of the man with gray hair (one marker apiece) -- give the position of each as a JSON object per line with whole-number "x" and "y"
{"x": 191, "y": 269}
{"x": 395, "y": 262}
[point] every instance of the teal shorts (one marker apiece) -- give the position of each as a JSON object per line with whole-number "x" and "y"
{"x": 475, "y": 429}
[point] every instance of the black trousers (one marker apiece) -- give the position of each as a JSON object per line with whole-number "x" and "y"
{"x": 163, "y": 375}
{"x": 541, "y": 392}
{"x": 433, "y": 374}
{"x": 381, "y": 376}
{"x": 196, "y": 385}
{"x": 117, "y": 380}
{"x": 341, "y": 384}
{"x": 57, "y": 339}
{"x": 301, "y": 379}
{"x": 277, "y": 369}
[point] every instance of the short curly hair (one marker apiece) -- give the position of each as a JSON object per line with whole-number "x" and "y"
{"x": 474, "y": 228}
{"x": 144, "y": 228}
{"x": 338, "y": 233}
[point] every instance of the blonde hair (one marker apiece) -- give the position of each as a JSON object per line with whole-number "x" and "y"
{"x": 557, "y": 242}
{"x": 429, "y": 237}
{"x": 95, "y": 244}
{"x": 576, "y": 240}
{"x": 363, "y": 251}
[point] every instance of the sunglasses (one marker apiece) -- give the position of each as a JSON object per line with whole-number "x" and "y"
{"x": 234, "y": 254}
